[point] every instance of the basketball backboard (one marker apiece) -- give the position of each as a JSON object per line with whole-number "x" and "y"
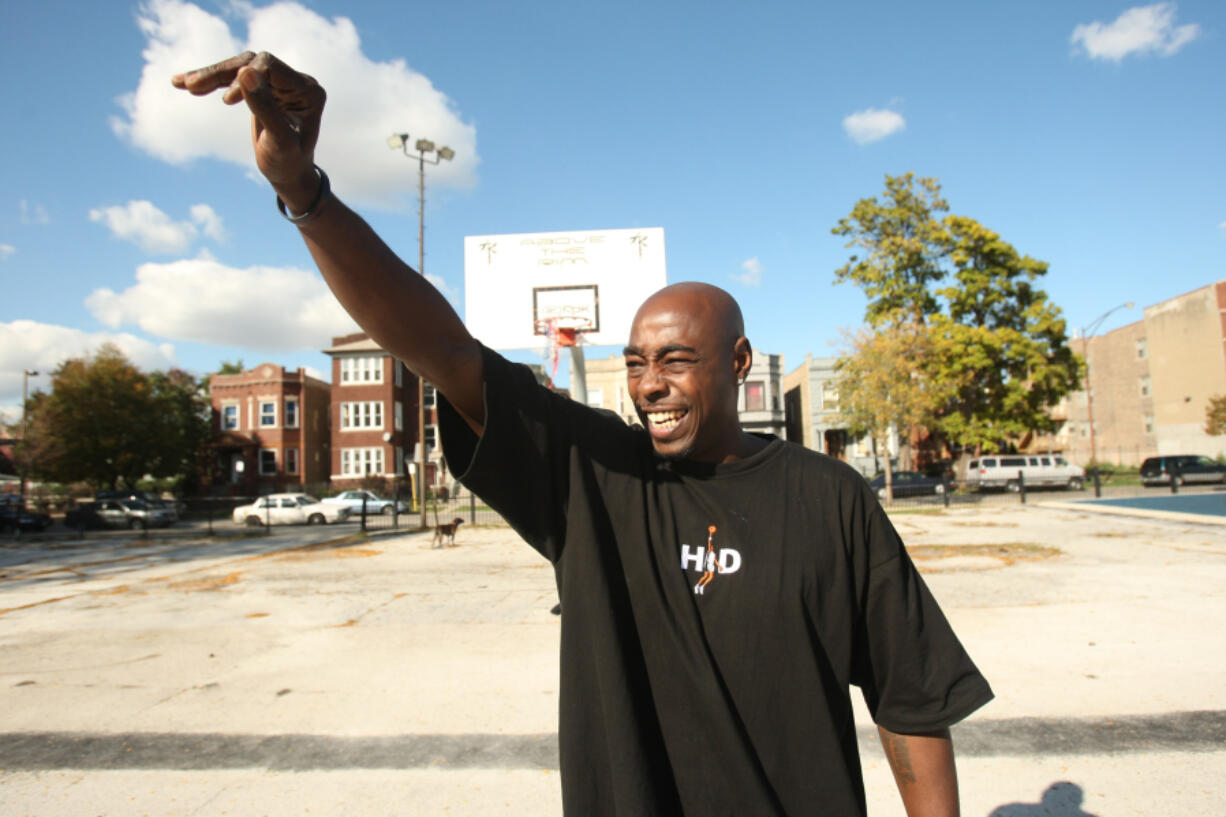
{"x": 589, "y": 281}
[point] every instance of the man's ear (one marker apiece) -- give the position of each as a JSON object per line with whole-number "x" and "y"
{"x": 742, "y": 358}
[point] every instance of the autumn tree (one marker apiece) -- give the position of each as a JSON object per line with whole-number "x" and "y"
{"x": 997, "y": 354}
{"x": 107, "y": 423}
{"x": 883, "y": 385}
{"x": 1215, "y": 416}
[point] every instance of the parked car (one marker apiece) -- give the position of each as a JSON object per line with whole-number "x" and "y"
{"x": 1187, "y": 468}
{"x": 1049, "y": 470}
{"x": 909, "y": 483}
{"x": 150, "y": 499}
{"x": 289, "y": 509}
{"x": 14, "y": 516}
{"x": 374, "y": 503}
{"x": 118, "y": 513}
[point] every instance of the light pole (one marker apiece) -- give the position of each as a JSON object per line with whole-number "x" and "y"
{"x": 1086, "y": 334}
{"x": 400, "y": 141}
{"x": 26, "y": 374}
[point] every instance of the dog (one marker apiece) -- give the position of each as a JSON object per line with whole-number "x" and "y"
{"x": 446, "y": 533}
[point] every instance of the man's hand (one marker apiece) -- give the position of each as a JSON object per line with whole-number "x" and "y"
{"x": 286, "y": 108}
{"x": 923, "y": 767}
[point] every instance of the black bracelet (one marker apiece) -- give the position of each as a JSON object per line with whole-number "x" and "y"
{"x": 317, "y": 206}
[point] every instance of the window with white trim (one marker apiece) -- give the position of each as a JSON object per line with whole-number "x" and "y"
{"x": 362, "y": 415}
{"x": 398, "y": 368}
{"x": 268, "y": 413}
{"x": 1149, "y": 424}
{"x": 291, "y": 460}
{"x": 1146, "y": 386}
{"x": 428, "y": 395}
{"x": 399, "y": 460}
{"x": 268, "y": 461}
{"x": 291, "y": 412}
{"x": 595, "y": 398}
{"x": 229, "y": 417}
{"x": 365, "y": 369}
{"x": 399, "y": 416}
{"x": 358, "y": 462}
{"x": 431, "y": 437}
{"x": 1142, "y": 348}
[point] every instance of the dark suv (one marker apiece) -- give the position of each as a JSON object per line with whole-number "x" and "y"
{"x": 1186, "y": 468}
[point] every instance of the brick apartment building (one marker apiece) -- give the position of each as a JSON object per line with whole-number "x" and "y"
{"x": 1152, "y": 381}
{"x": 271, "y": 430}
{"x": 374, "y": 416}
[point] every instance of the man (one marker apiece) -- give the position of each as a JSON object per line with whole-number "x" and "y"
{"x": 721, "y": 589}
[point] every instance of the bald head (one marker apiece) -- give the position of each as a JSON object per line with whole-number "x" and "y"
{"x": 709, "y": 306}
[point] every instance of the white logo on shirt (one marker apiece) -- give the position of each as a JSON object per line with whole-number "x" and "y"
{"x": 710, "y": 561}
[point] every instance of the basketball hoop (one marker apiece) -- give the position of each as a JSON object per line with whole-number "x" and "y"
{"x": 566, "y": 335}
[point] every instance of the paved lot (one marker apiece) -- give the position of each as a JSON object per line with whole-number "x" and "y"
{"x": 286, "y": 675}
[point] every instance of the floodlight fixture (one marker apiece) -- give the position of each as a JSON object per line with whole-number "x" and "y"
{"x": 397, "y": 141}
{"x": 423, "y": 146}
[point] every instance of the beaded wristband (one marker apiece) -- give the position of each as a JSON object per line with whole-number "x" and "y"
{"x": 317, "y": 206}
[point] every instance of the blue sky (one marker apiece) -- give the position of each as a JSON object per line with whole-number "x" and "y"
{"x": 1089, "y": 134}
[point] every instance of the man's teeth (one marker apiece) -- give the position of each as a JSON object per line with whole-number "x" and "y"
{"x": 665, "y": 419}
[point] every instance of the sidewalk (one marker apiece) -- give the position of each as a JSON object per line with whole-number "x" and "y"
{"x": 265, "y": 676}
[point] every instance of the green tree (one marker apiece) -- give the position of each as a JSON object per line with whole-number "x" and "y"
{"x": 107, "y": 423}
{"x": 882, "y": 383}
{"x": 997, "y": 354}
{"x": 1215, "y": 416}
{"x": 1000, "y": 349}
{"x": 902, "y": 241}
{"x": 231, "y": 367}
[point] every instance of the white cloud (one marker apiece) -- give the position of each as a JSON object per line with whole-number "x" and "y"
{"x": 145, "y": 225}
{"x": 274, "y": 309}
{"x": 752, "y": 275}
{"x": 872, "y": 125}
{"x": 367, "y": 100}
{"x": 33, "y": 213}
{"x": 208, "y": 221}
{"x": 42, "y": 347}
{"x": 1140, "y": 30}
{"x": 6, "y": 250}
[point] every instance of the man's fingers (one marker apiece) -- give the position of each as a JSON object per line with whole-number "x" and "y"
{"x": 210, "y": 78}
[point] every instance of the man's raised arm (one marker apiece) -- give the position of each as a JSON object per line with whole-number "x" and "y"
{"x": 398, "y": 308}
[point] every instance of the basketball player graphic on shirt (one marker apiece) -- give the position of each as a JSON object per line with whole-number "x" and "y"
{"x": 711, "y": 564}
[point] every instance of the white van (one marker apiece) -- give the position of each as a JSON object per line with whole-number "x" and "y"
{"x": 1002, "y": 471}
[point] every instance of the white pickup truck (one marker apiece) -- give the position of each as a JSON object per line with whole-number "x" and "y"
{"x": 1007, "y": 471}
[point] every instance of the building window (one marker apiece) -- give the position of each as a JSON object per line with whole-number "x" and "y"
{"x": 830, "y": 397}
{"x": 399, "y": 460}
{"x": 291, "y": 412}
{"x": 229, "y": 417}
{"x": 368, "y": 414}
{"x": 291, "y": 460}
{"x": 398, "y": 368}
{"x": 1145, "y": 386}
{"x": 427, "y": 395}
{"x": 1142, "y": 348}
{"x": 431, "y": 436}
{"x": 595, "y": 398}
{"x": 358, "y": 462}
{"x": 367, "y": 369}
{"x": 268, "y": 461}
{"x": 399, "y": 416}
{"x": 755, "y": 396}
{"x": 1149, "y": 424}
{"x": 268, "y": 413}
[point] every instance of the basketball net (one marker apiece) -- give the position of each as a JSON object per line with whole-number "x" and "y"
{"x": 555, "y": 338}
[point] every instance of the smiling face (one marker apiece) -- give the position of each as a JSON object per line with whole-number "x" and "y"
{"x": 687, "y": 353}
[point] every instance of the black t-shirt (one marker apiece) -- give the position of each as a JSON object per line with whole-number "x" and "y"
{"x": 713, "y": 616}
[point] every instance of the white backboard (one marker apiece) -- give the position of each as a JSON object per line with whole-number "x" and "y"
{"x": 506, "y": 278}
